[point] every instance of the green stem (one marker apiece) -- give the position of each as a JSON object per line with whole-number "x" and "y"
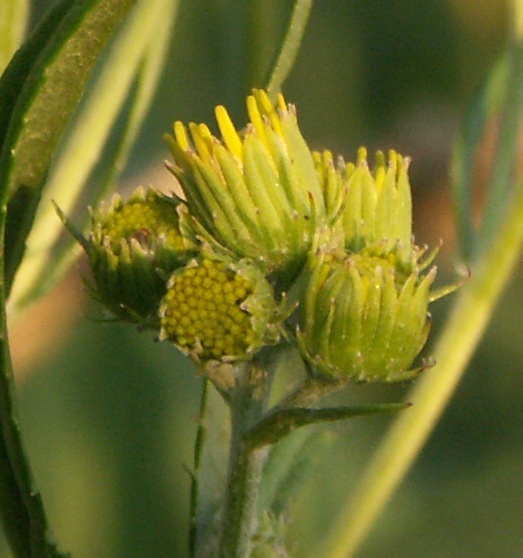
{"x": 248, "y": 403}
{"x": 469, "y": 318}
{"x": 290, "y": 47}
{"x": 195, "y": 487}
{"x": 14, "y": 517}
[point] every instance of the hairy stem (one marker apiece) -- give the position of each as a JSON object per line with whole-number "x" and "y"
{"x": 247, "y": 404}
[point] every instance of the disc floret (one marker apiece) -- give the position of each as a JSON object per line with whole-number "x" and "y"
{"x": 214, "y": 310}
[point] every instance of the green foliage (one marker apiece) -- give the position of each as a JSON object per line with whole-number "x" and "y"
{"x": 125, "y": 76}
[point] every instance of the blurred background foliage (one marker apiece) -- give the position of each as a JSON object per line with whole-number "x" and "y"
{"x": 109, "y": 415}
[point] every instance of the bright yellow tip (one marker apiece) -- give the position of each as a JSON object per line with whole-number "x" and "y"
{"x": 256, "y": 118}
{"x": 379, "y": 159}
{"x": 200, "y": 135}
{"x": 181, "y": 136}
{"x": 266, "y": 108}
{"x": 229, "y": 134}
{"x": 379, "y": 177}
{"x": 280, "y": 101}
{"x": 362, "y": 155}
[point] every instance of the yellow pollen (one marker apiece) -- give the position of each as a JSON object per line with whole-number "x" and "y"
{"x": 210, "y": 319}
{"x": 144, "y": 220}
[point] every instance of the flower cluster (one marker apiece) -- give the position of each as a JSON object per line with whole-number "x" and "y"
{"x": 261, "y": 215}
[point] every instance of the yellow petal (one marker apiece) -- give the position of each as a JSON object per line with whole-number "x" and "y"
{"x": 229, "y": 134}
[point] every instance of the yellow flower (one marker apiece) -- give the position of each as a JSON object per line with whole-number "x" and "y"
{"x": 257, "y": 193}
{"x": 214, "y": 310}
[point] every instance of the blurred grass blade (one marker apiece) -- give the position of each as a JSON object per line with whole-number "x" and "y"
{"x": 483, "y": 107}
{"x": 128, "y": 76}
{"x": 13, "y": 25}
{"x": 476, "y": 302}
{"x": 46, "y": 101}
{"x": 500, "y": 193}
{"x": 289, "y": 48}
{"x": 313, "y": 450}
{"x": 496, "y": 255}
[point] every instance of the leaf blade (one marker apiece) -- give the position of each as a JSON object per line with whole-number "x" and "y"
{"x": 49, "y": 95}
{"x": 131, "y": 70}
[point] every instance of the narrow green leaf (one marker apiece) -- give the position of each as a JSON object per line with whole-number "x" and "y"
{"x": 49, "y": 95}
{"x": 316, "y": 446}
{"x": 17, "y": 72}
{"x": 283, "y": 459}
{"x": 49, "y": 72}
{"x": 281, "y": 422}
{"x": 13, "y": 514}
{"x": 132, "y": 67}
{"x": 289, "y": 48}
{"x": 500, "y": 193}
{"x": 483, "y": 106}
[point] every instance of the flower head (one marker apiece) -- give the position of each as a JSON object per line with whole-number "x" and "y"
{"x": 214, "y": 310}
{"x": 257, "y": 193}
{"x": 373, "y": 207}
{"x": 363, "y": 318}
{"x": 378, "y": 208}
{"x": 132, "y": 247}
{"x": 262, "y": 220}
{"x": 364, "y": 314}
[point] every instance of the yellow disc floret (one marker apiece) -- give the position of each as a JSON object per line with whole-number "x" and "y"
{"x": 144, "y": 219}
{"x": 203, "y": 313}
{"x": 133, "y": 246}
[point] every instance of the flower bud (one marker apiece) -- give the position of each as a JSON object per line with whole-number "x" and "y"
{"x": 377, "y": 209}
{"x": 363, "y": 318}
{"x": 256, "y": 194}
{"x": 133, "y": 246}
{"x": 215, "y": 310}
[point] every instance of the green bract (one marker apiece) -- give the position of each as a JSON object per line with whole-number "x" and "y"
{"x": 374, "y": 207}
{"x": 256, "y": 194}
{"x": 364, "y": 320}
{"x": 132, "y": 247}
{"x": 214, "y": 310}
{"x": 378, "y": 207}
